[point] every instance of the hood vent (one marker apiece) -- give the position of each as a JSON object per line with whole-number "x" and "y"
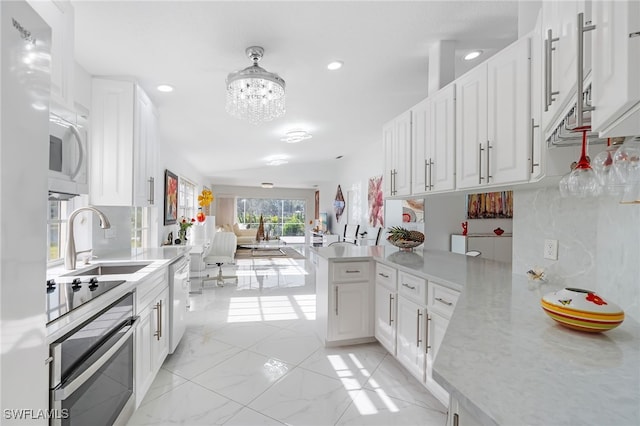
{"x": 60, "y": 196}
{"x": 565, "y": 135}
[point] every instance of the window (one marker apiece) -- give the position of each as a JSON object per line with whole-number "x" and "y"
{"x": 57, "y": 230}
{"x": 281, "y": 217}
{"x": 139, "y": 229}
{"x": 186, "y": 199}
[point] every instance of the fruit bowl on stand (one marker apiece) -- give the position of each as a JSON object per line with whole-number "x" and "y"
{"x": 404, "y": 239}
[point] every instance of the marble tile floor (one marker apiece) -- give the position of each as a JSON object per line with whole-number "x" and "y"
{"x": 251, "y": 356}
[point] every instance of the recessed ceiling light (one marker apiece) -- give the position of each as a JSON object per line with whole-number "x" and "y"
{"x": 295, "y": 136}
{"x": 335, "y": 65}
{"x": 266, "y": 184}
{"x": 472, "y": 55}
{"x": 165, "y": 88}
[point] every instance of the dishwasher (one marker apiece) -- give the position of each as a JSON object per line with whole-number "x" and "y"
{"x": 179, "y": 298}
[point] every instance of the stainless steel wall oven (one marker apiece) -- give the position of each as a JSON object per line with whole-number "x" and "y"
{"x": 92, "y": 369}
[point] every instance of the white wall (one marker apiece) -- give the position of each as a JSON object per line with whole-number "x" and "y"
{"x": 599, "y": 243}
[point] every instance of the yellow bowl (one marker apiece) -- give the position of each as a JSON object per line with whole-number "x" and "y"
{"x": 582, "y": 310}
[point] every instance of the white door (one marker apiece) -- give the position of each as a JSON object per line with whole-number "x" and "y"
{"x": 509, "y": 114}
{"x": 442, "y": 140}
{"x": 410, "y": 337}
{"x": 402, "y": 178}
{"x": 420, "y": 150}
{"x": 388, "y": 132}
{"x": 350, "y": 311}
{"x": 385, "y": 318}
{"x": 471, "y": 127}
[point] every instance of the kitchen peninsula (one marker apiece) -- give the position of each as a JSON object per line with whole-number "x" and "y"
{"x": 502, "y": 360}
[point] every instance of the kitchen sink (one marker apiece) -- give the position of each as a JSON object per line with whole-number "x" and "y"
{"x": 111, "y": 269}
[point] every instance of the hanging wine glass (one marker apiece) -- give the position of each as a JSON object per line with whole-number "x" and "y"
{"x": 582, "y": 181}
{"x": 626, "y": 162}
{"x": 608, "y": 177}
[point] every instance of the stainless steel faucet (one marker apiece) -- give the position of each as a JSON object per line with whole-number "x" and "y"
{"x": 70, "y": 256}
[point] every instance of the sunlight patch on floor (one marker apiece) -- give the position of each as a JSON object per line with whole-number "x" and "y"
{"x": 272, "y": 308}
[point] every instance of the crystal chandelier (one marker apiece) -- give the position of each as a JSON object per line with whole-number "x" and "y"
{"x": 253, "y": 93}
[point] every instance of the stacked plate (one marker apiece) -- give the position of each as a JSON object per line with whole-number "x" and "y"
{"x": 582, "y": 310}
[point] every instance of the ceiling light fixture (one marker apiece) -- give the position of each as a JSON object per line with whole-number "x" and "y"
{"x": 267, "y": 185}
{"x": 295, "y": 136}
{"x": 472, "y": 55}
{"x": 335, "y": 65}
{"x": 254, "y": 94}
{"x": 277, "y": 162}
{"x": 165, "y": 88}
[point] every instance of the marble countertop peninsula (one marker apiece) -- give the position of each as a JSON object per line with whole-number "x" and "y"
{"x": 506, "y": 361}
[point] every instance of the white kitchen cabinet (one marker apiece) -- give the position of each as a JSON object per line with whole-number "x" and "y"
{"x": 441, "y": 303}
{"x": 493, "y": 120}
{"x": 396, "y": 136}
{"x": 559, "y": 32}
{"x": 433, "y": 142}
{"x": 59, "y": 15}
{"x": 386, "y": 301}
{"x": 123, "y": 147}
{"x": 490, "y": 246}
{"x": 412, "y": 324}
{"x": 459, "y": 415}
{"x": 152, "y": 332}
{"x": 616, "y": 68}
{"x": 344, "y": 301}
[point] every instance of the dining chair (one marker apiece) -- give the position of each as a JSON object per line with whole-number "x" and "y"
{"x": 223, "y": 251}
{"x": 350, "y": 233}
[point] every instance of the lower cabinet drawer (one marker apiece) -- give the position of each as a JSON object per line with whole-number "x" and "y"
{"x": 442, "y": 299}
{"x": 386, "y": 276}
{"x": 412, "y": 287}
{"x": 350, "y": 271}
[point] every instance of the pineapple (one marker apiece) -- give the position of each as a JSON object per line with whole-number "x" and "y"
{"x": 397, "y": 233}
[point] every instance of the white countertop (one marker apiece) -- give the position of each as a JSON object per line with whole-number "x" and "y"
{"x": 506, "y": 361}
{"x": 159, "y": 259}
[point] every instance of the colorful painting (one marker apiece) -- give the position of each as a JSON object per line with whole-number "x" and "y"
{"x": 490, "y": 205}
{"x": 413, "y": 210}
{"x": 339, "y": 204}
{"x": 170, "y": 198}
{"x": 376, "y": 202}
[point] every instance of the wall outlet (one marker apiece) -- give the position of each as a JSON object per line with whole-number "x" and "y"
{"x": 551, "y": 249}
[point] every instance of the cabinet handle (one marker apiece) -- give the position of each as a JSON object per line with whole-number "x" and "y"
{"x": 336, "y": 300}
{"x": 441, "y": 300}
{"x": 352, "y": 271}
{"x": 636, "y": 34}
{"x": 152, "y": 190}
{"x": 548, "y": 70}
{"x": 390, "y": 304}
{"x": 430, "y": 173}
{"x": 480, "y": 163}
{"x": 158, "y": 309}
{"x": 533, "y": 127}
{"x": 426, "y": 181}
{"x": 418, "y": 340}
{"x": 427, "y": 346}
{"x": 408, "y": 286}
{"x": 383, "y": 275}
{"x": 581, "y": 108}
{"x": 456, "y": 419}
{"x": 488, "y": 159}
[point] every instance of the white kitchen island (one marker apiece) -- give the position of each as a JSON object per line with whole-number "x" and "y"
{"x": 504, "y": 361}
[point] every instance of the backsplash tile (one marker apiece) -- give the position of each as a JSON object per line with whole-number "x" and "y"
{"x": 599, "y": 243}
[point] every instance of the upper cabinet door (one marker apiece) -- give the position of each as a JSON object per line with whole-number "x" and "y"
{"x": 471, "y": 127}
{"x": 442, "y": 140}
{"x": 616, "y": 67}
{"x": 509, "y": 114}
{"x": 59, "y": 16}
{"x": 388, "y": 136}
{"x": 402, "y": 178}
{"x": 420, "y": 146}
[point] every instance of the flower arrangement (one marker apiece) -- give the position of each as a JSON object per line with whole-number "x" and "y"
{"x": 186, "y": 224}
{"x": 204, "y": 199}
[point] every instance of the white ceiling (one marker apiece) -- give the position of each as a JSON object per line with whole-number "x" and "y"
{"x": 194, "y": 45}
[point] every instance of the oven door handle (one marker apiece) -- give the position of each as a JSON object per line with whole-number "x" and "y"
{"x": 62, "y": 392}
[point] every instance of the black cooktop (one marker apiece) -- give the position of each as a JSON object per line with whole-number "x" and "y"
{"x": 67, "y": 294}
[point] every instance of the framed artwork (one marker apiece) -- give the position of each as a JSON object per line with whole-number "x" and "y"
{"x": 170, "y": 198}
{"x": 490, "y": 205}
{"x": 413, "y": 210}
{"x": 338, "y": 204}
{"x": 376, "y": 202}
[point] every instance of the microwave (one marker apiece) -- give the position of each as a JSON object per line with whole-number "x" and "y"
{"x": 68, "y": 157}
